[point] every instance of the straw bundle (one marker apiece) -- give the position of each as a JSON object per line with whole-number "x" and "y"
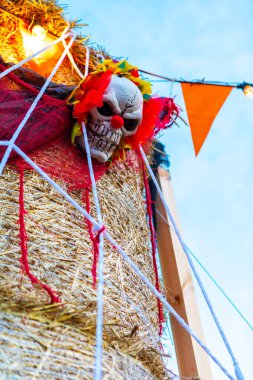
{"x": 50, "y": 15}
{"x": 57, "y": 341}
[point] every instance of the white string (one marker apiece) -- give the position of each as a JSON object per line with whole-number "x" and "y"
{"x": 237, "y": 369}
{"x": 171, "y": 89}
{"x": 81, "y": 75}
{"x": 124, "y": 255}
{"x": 11, "y": 144}
{"x": 21, "y": 63}
{"x": 146, "y": 281}
{"x": 73, "y": 61}
{"x": 87, "y": 62}
{"x": 99, "y": 323}
{"x": 33, "y": 106}
{"x": 208, "y": 274}
{"x": 55, "y": 185}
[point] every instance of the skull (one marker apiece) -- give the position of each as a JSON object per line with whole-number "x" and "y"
{"x": 119, "y": 116}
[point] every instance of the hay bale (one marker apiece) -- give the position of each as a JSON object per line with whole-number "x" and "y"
{"x": 50, "y": 15}
{"x": 57, "y": 342}
{"x": 32, "y": 350}
{"x": 60, "y": 254}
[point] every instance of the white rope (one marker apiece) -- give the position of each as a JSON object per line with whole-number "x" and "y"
{"x": 71, "y": 57}
{"x": 237, "y": 369}
{"x": 168, "y": 222}
{"x": 84, "y": 213}
{"x": 81, "y": 75}
{"x": 55, "y": 186}
{"x": 99, "y": 323}
{"x": 11, "y": 145}
{"x": 124, "y": 255}
{"x": 33, "y": 106}
{"x": 73, "y": 61}
{"x": 87, "y": 62}
{"x": 146, "y": 281}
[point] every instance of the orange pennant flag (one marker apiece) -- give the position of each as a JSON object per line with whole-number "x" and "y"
{"x": 203, "y": 102}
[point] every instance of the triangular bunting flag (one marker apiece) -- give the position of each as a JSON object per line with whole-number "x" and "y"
{"x": 203, "y": 102}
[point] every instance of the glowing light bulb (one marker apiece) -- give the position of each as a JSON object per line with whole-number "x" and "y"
{"x": 36, "y": 39}
{"x": 39, "y": 32}
{"x": 248, "y": 91}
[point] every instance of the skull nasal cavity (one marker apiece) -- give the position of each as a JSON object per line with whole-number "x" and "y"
{"x": 117, "y": 122}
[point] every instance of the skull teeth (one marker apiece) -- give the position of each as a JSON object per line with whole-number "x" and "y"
{"x": 102, "y": 129}
{"x": 102, "y": 143}
{"x": 98, "y": 128}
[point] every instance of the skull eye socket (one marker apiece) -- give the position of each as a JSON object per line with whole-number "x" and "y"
{"x": 130, "y": 124}
{"x": 105, "y": 110}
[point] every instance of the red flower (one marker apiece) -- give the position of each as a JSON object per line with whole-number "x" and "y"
{"x": 91, "y": 94}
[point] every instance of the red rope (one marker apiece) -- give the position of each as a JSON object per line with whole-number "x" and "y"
{"x": 93, "y": 238}
{"x": 23, "y": 242}
{"x": 102, "y": 229}
{"x": 153, "y": 245}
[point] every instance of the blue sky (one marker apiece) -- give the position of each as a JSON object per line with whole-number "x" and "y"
{"x": 211, "y": 40}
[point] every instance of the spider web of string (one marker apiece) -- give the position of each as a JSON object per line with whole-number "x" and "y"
{"x": 17, "y": 142}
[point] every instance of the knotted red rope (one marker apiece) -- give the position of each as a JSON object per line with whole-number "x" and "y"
{"x": 94, "y": 238}
{"x": 23, "y": 242}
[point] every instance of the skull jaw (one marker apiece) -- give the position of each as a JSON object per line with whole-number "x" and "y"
{"x": 99, "y": 155}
